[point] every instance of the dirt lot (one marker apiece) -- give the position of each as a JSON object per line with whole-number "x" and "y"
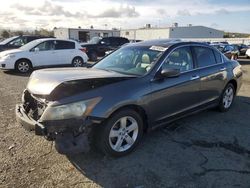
{"x": 209, "y": 149}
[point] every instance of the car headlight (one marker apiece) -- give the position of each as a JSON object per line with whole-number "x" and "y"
{"x": 72, "y": 110}
{"x": 8, "y": 56}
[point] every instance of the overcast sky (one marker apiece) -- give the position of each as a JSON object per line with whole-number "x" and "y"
{"x": 228, "y": 15}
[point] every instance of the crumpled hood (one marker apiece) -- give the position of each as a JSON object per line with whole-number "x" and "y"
{"x": 43, "y": 82}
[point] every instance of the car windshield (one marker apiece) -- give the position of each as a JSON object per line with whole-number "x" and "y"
{"x": 131, "y": 60}
{"x": 30, "y": 45}
{"x": 95, "y": 40}
{"x": 6, "y": 41}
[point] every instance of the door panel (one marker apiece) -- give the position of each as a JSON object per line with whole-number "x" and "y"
{"x": 212, "y": 73}
{"x": 65, "y": 51}
{"x": 174, "y": 95}
{"x": 46, "y": 56}
{"x": 212, "y": 82}
{"x": 171, "y": 96}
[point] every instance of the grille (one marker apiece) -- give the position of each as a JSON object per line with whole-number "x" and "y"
{"x": 33, "y": 106}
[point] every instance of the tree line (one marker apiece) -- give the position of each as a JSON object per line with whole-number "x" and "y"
{"x": 9, "y": 33}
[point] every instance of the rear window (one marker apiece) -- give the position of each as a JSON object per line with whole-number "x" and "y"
{"x": 217, "y": 57}
{"x": 62, "y": 45}
{"x": 204, "y": 56}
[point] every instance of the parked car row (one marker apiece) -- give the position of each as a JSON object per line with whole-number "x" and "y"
{"x": 24, "y": 53}
{"x": 242, "y": 48}
{"x": 229, "y": 50}
{"x": 235, "y": 49}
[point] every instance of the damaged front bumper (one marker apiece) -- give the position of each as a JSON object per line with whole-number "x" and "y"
{"x": 70, "y": 135}
{"x": 28, "y": 123}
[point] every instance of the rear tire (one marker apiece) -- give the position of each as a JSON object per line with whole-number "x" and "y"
{"x": 227, "y": 98}
{"x": 120, "y": 134}
{"x": 23, "y": 66}
{"x": 77, "y": 62}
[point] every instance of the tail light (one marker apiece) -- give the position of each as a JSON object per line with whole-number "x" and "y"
{"x": 84, "y": 50}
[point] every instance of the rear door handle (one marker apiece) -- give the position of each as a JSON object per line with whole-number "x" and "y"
{"x": 195, "y": 77}
{"x": 223, "y": 68}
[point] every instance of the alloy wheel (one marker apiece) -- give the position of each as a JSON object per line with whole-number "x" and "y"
{"x": 23, "y": 67}
{"x": 77, "y": 62}
{"x": 228, "y": 97}
{"x": 123, "y": 134}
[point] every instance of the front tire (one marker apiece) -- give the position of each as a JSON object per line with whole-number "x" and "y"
{"x": 121, "y": 133}
{"x": 227, "y": 98}
{"x": 23, "y": 66}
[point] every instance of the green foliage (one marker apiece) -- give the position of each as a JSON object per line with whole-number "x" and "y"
{"x": 5, "y": 34}
{"x": 236, "y": 35}
{"x": 9, "y": 33}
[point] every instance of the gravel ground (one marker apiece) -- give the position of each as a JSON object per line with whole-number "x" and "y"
{"x": 209, "y": 149}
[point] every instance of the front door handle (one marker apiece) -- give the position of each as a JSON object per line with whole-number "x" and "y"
{"x": 223, "y": 68}
{"x": 195, "y": 77}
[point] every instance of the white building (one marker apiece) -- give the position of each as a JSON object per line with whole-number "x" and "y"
{"x": 83, "y": 35}
{"x": 171, "y": 32}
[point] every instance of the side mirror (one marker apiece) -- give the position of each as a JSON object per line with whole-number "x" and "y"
{"x": 102, "y": 42}
{"x": 36, "y": 50}
{"x": 170, "y": 73}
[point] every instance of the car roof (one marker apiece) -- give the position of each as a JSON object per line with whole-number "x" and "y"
{"x": 39, "y": 36}
{"x": 166, "y": 43}
{"x": 46, "y": 39}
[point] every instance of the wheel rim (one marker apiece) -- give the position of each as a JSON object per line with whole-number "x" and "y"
{"x": 228, "y": 97}
{"x": 23, "y": 66}
{"x": 77, "y": 62}
{"x": 123, "y": 134}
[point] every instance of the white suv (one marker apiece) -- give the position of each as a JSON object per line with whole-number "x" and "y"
{"x": 43, "y": 52}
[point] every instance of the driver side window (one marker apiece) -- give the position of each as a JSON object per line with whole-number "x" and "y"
{"x": 17, "y": 42}
{"x": 180, "y": 59}
{"x": 46, "y": 46}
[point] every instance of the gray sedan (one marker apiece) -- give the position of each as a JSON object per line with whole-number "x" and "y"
{"x": 135, "y": 89}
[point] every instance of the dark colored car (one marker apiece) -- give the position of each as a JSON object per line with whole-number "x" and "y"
{"x": 17, "y": 41}
{"x": 98, "y": 46}
{"x": 135, "y": 89}
{"x": 231, "y": 51}
{"x": 242, "y": 48}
